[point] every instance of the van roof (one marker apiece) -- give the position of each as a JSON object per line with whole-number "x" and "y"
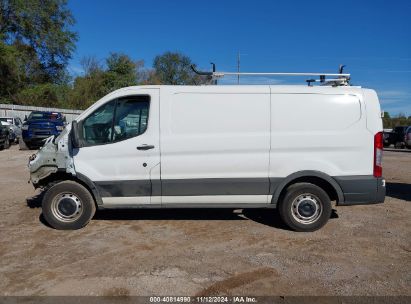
{"x": 251, "y": 88}
{"x": 230, "y": 89}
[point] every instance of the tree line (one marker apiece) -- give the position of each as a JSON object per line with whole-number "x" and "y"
{"x": 36, "y": 44}
{"x": 398, "y": 120}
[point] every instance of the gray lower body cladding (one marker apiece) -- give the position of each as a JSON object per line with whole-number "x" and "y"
{"x": 184, "y": 187}
{"x": 353, "y": 189}
{"x": 360, "y": 190}
{"x": 215, "y": 186}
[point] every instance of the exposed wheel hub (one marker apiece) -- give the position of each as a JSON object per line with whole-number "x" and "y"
{"x": 66, "y": 207}
{"x": 306, "y": 208}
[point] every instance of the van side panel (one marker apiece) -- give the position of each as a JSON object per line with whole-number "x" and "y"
{"x": 215, "y": 144}
{"x": 329, "y": 133}
{"x": 322, "y": 132}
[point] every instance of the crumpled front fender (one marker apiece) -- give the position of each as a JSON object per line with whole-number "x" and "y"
{"x": 54, "y": 156}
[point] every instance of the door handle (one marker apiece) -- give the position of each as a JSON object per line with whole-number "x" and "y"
{"x": 145, "y": 147}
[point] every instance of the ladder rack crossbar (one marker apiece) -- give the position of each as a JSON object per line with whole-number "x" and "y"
{"x": 221, "y": 74}
{"x": 340, "y": 79}
{"x": 328, "y": 80}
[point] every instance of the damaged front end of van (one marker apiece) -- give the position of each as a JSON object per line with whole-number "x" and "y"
{"x": 53, "y": 158}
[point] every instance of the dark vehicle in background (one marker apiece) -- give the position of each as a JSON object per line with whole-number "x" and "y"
{"x": 41, "y": 125}
{"x": 396, "y": 137}
{"x": 387, "y": 138}
{"x": 407, "y": 137}
{"x": 4, "y": 137}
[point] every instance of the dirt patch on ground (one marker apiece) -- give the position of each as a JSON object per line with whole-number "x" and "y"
{"x": 363, "y": 250}
{"x": 225, "y": 286}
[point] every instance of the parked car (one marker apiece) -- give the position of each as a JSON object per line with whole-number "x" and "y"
{"x": 407, "y": 137}
{"x": 15, "y": 126}
{"x": 388, "y": 138}
{"x": 4, "y": 137}
{"x": 41, "y": 125}
{"x": 12, "y": 134}
{"x": 397, "y": 138}
{"x": 217, "y": 147}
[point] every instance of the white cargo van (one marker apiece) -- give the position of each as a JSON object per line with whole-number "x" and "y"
{"x": 294, "y": 148}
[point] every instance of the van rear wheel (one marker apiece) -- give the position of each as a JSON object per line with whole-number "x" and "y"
{"x": 68, "y": 205}
{"x": 305, "y": 207}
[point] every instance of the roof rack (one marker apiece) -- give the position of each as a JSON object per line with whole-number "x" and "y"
{"x": 340, "y": 79}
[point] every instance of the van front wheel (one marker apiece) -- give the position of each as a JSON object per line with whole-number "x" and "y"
{"x": 305, "y": 207}
{"x": 68, "y": 205}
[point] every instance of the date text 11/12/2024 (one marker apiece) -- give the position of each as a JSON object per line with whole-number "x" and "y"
{"x": 203, "y": 299}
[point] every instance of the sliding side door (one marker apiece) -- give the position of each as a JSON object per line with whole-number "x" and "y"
{"x": 215, "y": 144}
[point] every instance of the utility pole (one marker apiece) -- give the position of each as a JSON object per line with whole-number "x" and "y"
{"x": 238, "y": 66}
{"x": 213, "y": 65}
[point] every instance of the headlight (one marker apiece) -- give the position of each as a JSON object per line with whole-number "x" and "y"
{"x": 24, "y": 127}
{"x": 32, "y": 157}
{"x": 60, "y": 128}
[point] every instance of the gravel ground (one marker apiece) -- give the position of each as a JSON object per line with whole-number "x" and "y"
{"x": 363, "y": 250}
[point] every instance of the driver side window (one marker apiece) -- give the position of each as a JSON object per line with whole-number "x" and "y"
{"x": 116, "y": 120}
{"x": 131, "y": 117}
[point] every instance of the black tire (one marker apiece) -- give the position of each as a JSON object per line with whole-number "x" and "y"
{"x": 22, "y": 145}
{"x": 61, "y": 198}
{"x": 311, "y": 196}
{"x": 7, "y": 143}
{"x": 399, "y": 145}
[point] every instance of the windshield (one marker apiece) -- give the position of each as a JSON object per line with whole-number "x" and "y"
{"x": 44, "y": 115}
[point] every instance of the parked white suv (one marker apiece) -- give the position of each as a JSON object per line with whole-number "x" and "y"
{"x": 295, "y": 148}
{"x": 15, "y": 124}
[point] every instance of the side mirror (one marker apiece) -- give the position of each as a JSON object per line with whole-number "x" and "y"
{"x": 25, "y": 117}
{"x": 74, "y": 134}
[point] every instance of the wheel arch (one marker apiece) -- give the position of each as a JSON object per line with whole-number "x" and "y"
{"x": 323, "y": 180}
{"x": 80, "y": 178}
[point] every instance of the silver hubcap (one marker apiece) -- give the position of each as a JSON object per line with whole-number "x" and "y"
{"x": 306, "y": 208}
{"x": 66, "y": 207}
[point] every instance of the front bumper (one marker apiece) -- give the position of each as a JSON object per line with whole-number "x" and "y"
{"x": 37, "y": 141}
{"x": 362, "y": 190}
